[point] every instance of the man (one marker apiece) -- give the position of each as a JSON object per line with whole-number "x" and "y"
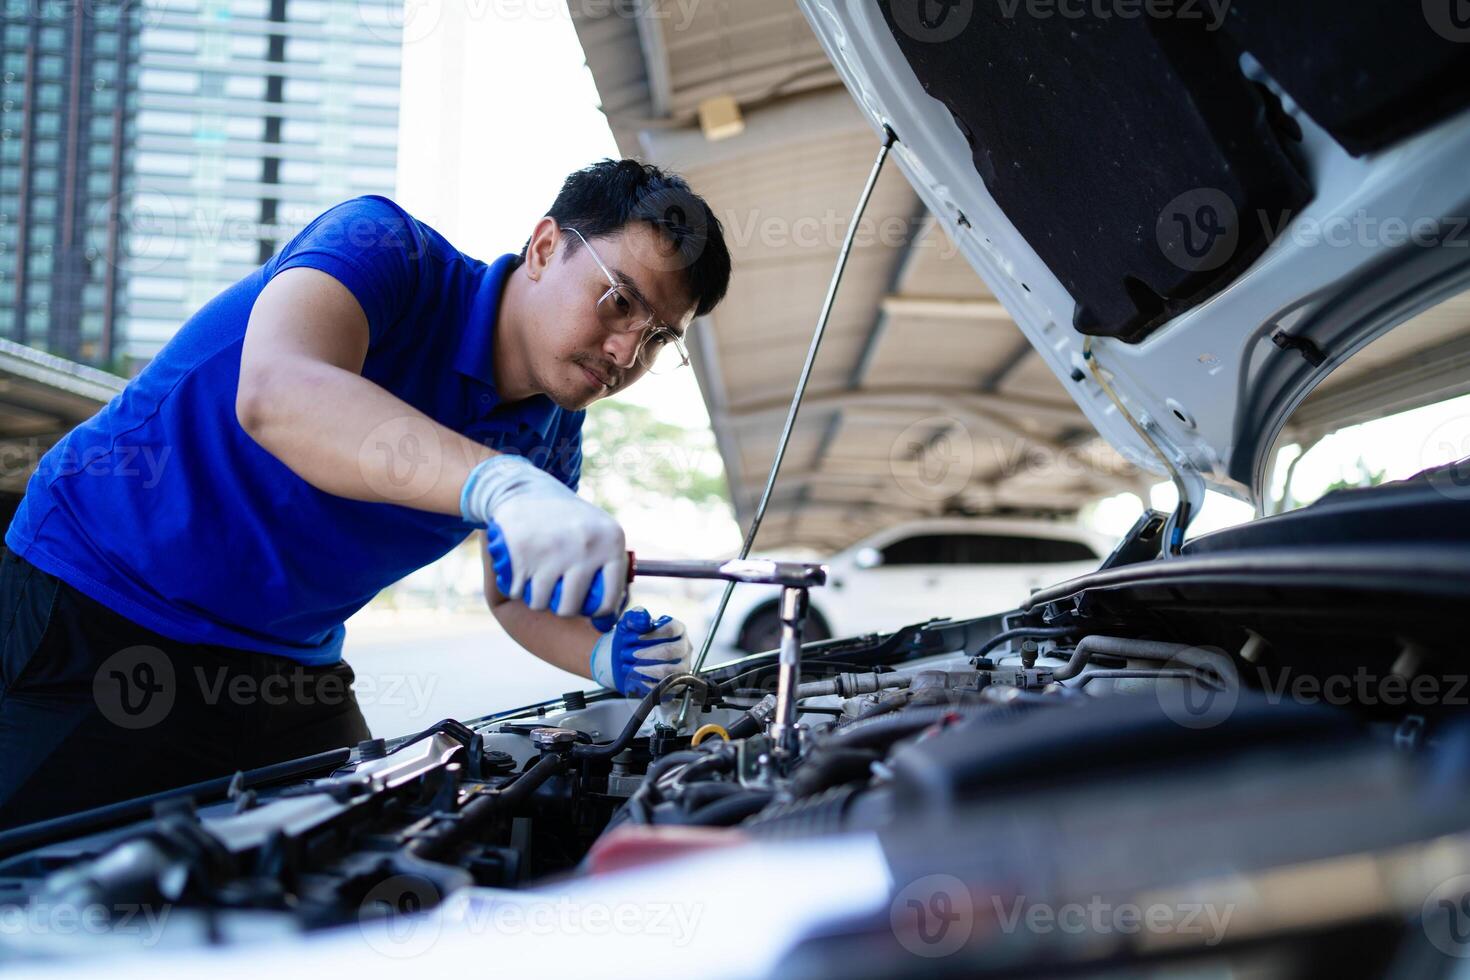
{"x": 344, "y": 415}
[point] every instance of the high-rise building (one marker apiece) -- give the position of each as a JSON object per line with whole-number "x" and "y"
{"x": 253, "y": 117}
{"x": 67, "y": 74}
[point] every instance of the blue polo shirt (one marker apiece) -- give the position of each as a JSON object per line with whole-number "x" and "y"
{"x": 162, "y": 508}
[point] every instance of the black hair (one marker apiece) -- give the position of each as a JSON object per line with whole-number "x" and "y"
{"x": 603, "y": 198}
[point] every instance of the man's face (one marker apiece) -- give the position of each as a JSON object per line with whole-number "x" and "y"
{"x": 573, "y": 354}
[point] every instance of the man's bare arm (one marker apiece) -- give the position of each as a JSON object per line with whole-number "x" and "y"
{"x": 302, "y": 397}
{"x": 564, "y": 642}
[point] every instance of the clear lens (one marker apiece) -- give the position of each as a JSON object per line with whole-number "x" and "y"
{"x": 661, "y": 358}
{"x": 622, "y": 311}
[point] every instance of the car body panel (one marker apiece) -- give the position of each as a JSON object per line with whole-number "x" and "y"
{"x": 1210, "y": 387}
{"x": 884, "y": 598}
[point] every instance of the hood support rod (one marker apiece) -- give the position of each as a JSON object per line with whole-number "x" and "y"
{"x": 1182, "y": 513}
{"x": 889, "y": 138}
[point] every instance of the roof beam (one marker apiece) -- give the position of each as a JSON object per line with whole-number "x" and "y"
{"x": 655, "y": 59}
{"x": 919, "y": 222}
{"x": 1423, "y": 377}
{"x": 908, "y": 403}
{"x": 1013, "y": 360}
{"x": 945, "y": 308}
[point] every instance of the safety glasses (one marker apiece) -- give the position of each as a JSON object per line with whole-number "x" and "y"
{"x": 622, "y": 310}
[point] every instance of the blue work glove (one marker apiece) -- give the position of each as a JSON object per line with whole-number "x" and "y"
{"x": 552, "y": 540}
{"x": 639, "y": 652}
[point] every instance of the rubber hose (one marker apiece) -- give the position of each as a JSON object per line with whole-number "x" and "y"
{"x": 826, "y": 768}
{"x": 607, "y": 750}
{"x": 1116, "y": 646}
{"x": 699, "y": 794}
{"x": 1024, "y": 632}
{"x": 732, "y": 809}
{"x": 886, "y": 729}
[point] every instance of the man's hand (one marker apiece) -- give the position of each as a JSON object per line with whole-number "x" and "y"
{"x": 639, "y": 652}
{"x": 551, "y": 535}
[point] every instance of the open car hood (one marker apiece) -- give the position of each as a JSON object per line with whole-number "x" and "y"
{"x": 1184, "y": 210}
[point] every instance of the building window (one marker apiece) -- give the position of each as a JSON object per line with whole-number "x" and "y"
{"x": 171, "y": 82}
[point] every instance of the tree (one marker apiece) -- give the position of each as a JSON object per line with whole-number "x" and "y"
{"x": 629, "y": 456}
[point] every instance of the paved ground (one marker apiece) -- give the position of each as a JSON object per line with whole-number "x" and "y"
{"x": 416, "y": 668}
{"x": 413, "y": 671}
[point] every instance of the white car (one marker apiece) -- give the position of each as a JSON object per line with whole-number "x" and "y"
{"x": 916, "y": 571}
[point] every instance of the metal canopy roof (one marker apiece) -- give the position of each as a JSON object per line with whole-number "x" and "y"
{"x": 925, "y": 397}
{"x": 41, "y": 398}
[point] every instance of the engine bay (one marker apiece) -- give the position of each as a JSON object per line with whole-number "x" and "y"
{"x": 1127, "y": 741}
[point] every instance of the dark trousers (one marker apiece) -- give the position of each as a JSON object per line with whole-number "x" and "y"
{"x": 94, "y": 708}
